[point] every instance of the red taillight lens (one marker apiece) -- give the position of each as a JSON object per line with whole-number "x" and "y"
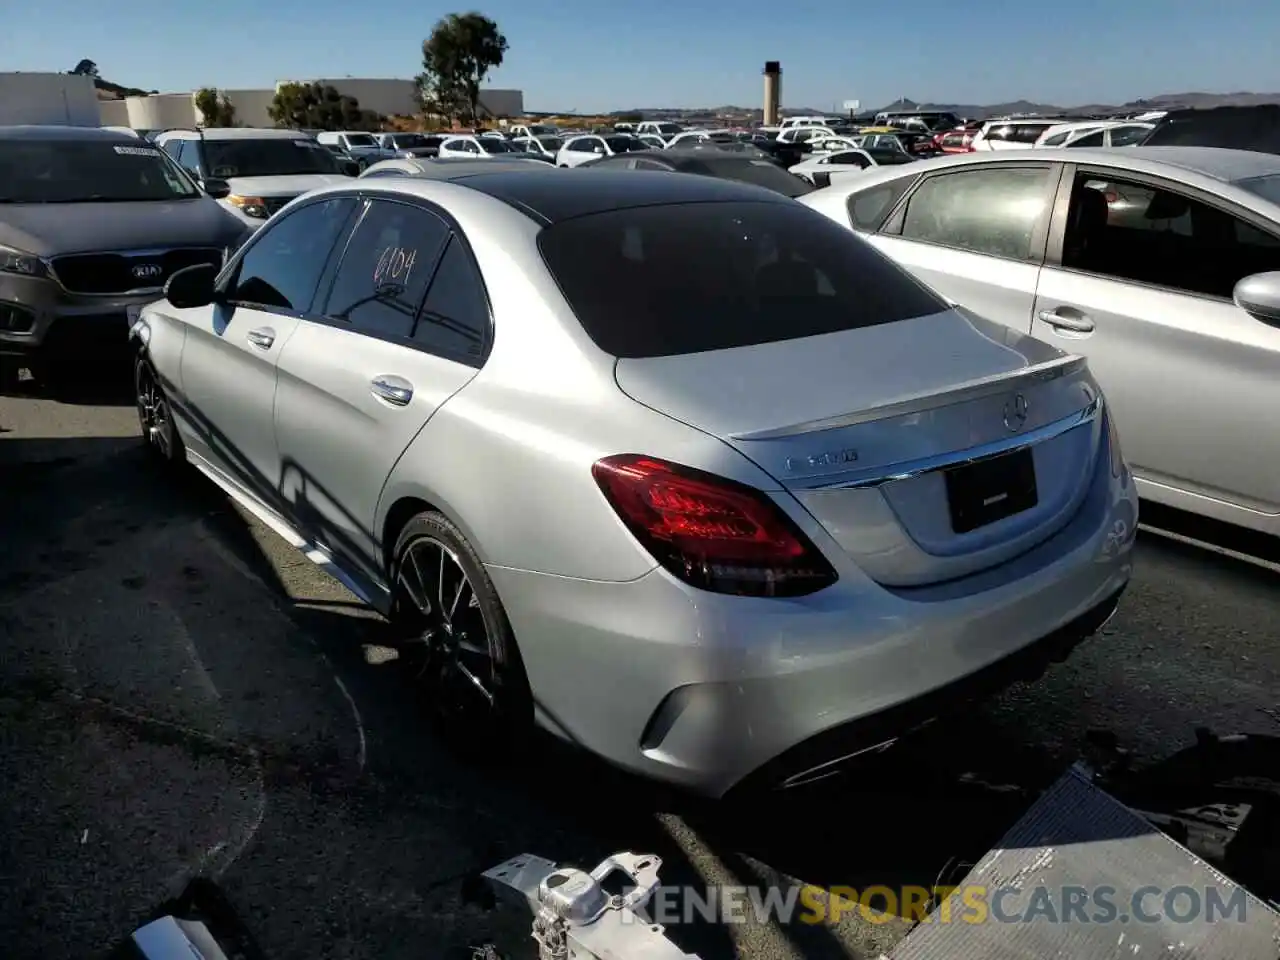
{"x": 710, "y": 532}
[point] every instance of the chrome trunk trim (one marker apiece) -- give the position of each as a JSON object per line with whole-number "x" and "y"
{"x": 906, "y": 469}
{"x": 931, "y": 400}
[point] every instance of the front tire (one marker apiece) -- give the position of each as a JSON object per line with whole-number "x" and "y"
{"x": 155, "y": 415}
{"x": 463, "y": 652}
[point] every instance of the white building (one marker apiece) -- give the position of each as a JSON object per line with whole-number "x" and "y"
{"x": 58, "y": 98}
{"x": 385, "y": 96}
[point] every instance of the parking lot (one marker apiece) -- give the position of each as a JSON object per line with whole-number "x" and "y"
{"x": 183, "y": 693}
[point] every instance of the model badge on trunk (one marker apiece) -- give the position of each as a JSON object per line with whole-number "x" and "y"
{"x": 821, "y": 461}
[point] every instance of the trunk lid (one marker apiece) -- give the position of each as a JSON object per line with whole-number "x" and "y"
{"x": 870, "y": 430}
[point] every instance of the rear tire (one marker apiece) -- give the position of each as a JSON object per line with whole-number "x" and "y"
{"x": 155, "y": 415}
{"x": 461, "y": 649}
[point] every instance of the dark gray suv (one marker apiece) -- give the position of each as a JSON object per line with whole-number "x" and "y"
{"x": 92, "y": 224}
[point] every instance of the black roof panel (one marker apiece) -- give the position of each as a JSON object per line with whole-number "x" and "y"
{"x": 553, "y": 194}
{"x": 51, "y": 132}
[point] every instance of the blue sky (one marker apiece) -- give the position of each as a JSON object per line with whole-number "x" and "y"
{"x": 595, "y": 55}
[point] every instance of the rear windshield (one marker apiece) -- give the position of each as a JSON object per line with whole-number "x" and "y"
{"x": 665, "y": 280}
{"x": 761, "y": 173}
{"x": 625, "y": 144}
{"x": 1248, "y": 129}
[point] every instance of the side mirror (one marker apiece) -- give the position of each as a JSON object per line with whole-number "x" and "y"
{"x": 350, "y": 168}
{"x": 1259, "y": 296}
{"x": 215, "y": 188}
{"x": 192, "y": 287}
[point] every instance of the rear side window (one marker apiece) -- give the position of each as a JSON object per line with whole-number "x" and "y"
{"x": 869, "y": 208}
{"x": 455, "y": 315}
{"x": 710, "y": 276}
{"x": 990, "y": 211}
{"x": 1094, "y": 139}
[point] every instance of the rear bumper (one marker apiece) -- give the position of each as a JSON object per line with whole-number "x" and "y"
{"x": 706, "y": 690}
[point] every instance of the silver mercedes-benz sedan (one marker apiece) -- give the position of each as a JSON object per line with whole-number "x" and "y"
{"x": 672, "y": 466}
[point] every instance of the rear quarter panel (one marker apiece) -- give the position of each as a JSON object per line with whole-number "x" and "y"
{"x": 508, "y": 458}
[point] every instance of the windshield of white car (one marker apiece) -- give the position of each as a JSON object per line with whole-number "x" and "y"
{"x": 360, "y": 140}
{"x": 267, "y": 158}
{"x": 494, "y": 145}
{"x": 717, "y": 275}
{"x": 1267, "y": 187}
{"x": 551, "y": 143}
{"x": 88, "y": 171}
{"x": 409, "y": 141}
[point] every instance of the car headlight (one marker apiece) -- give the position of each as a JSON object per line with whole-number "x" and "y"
{"x": 22, "y": 264}
{"x": 254, "y": 207}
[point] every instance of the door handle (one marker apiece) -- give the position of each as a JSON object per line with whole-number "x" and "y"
{"x": 262, "y": 338}
{"x": 1065, "y": 318}
{"x": 394, "y": 390}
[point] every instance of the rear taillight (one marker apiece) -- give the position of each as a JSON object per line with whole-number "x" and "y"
{"x": 712, "y": 533}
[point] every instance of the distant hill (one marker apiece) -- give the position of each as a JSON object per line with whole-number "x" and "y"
{"x": 1164, "y": 101}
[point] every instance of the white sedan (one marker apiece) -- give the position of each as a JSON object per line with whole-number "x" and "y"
{"x": 578, "y": 150}
{"x": 474, "y": 148}
{"x": 825, "y": 168}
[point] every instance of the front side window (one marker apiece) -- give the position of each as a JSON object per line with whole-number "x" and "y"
{"x": 993, "y": 212}
{"x": 849, "y": 158}
{"x": 360, "y": 140}
{"x": 624, "y": 144}
{"x": 386, "y": 269}
{"x": 711, "y": 276}
{"x": 273, "y": 157}
{"x": 88, "y": 171}
{"x": 494, "y": 145}
{"x": 281, "y": 268}
{"x": 1138, "y": 232}
{"x": 1027, "y": 132}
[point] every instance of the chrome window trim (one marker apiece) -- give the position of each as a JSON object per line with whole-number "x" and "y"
{"x": 909, "y": 469}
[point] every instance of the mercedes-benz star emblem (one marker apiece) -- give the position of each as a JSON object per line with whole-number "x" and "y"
{"x": 1015, "y": 413}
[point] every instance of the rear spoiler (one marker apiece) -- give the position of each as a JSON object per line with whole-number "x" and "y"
{"x": 1009, "y": 380}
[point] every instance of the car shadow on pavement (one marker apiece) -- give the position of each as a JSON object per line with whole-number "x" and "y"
{"x": 108, "y": 381}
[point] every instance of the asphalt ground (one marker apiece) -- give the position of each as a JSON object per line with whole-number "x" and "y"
{"x": 183, "y": 694}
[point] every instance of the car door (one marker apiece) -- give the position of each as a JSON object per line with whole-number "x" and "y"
{"x": 228, "y": 366}
{"x": 1139, "y": 278}
{"x": 977, "y": 235}
{"x": 404, "y": 327}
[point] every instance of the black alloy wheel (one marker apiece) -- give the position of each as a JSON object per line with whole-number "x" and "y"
{"x": 460, "y": 646}
{"x": 155, "y": 416}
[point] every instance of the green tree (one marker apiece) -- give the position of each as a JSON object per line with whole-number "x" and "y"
{"x": 462, "y": 49}
{"x": 85, "y": 68}
{"x": 215, "y": 109}
{"x": 315, "y": 106}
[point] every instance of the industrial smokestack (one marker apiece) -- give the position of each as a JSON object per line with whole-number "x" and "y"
{"x": 772, "y": 92}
